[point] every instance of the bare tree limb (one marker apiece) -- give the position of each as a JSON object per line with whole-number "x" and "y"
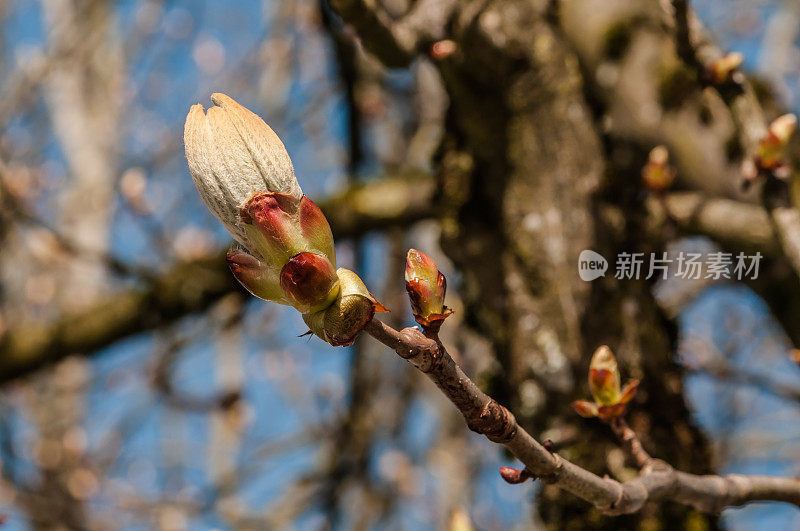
{"x": 396, "y": 42}
{"x": 740, "y": 225}
{"x": 658, "y": 480}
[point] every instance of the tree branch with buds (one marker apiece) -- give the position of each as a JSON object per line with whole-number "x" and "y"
{"x": 764, "y": 145}
{"x": 245, "y": 177}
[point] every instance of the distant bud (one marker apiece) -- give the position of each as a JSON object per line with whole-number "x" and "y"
{"x": 233, "y": 155}
{"x": 604, "y": 382}
{"x": 309, "y": 282}
{"x": 657, "y": 174}
{"x": 770, "y": 151}
{"x": 353, "y": 308}
{"x": 723, "y": 68}
{"x": 426, "y": 288}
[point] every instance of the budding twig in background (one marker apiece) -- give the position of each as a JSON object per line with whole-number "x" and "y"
{"x": 723, "y": 69}
{"x": 426, "y": 287}
{"x": 246, "y": 179}
{"x": 771, "y": 150}
{"x": 604, "y": 382}
{"x": 657, "y": 174}
{"x": 769, "y": 158}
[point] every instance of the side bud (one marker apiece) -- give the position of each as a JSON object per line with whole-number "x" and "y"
{"x": 309, "y": 282}
{"x": 426, "y": 288}
{"x": 353, "y": 308}
{"x": 255, "y": 276}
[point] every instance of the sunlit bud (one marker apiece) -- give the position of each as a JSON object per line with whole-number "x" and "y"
{"x": 246, "y": 179}
{"x": 232, "y": 155}
{"x": 796, "y": 355}
{"x": 426, "y": 288}
{"x": 604, "y": 377}
{"x": 309, "y": 282}
{"x": 770, "y": 150}
{"x": 720, "y": 71}
{"x": 353, "y": 308}
{"x": 657, "y": 174}
{"x": 258, "y": 278}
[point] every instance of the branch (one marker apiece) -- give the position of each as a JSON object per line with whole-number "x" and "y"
{"x": 630, "y": 442}
{"x": 194, "y": 286}
{"x": 658, "y": 480}
{"x": 751, "y": 124}
{"x": 683, "y": 38}
{"x": 740, "y": 225}
{"x": 396, "y": 42}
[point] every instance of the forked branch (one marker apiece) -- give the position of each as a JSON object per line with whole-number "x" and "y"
{"x": 658, "y": 481}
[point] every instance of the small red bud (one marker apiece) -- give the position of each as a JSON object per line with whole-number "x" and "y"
{"x": 442, "y": 49}
{"x": 309, "y": 282}
{"x": 426, "y": 288}
{"x": 514, "y": 476}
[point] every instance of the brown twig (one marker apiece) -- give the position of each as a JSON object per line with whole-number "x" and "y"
{"x": 630, "y": 442}
{"x": 658, "y": 480}
{"x": 683, "y": 38}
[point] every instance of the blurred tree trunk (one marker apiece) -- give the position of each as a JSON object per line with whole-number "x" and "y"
{"x": 84, "y": 92}
{"x": 526, "y": 175}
